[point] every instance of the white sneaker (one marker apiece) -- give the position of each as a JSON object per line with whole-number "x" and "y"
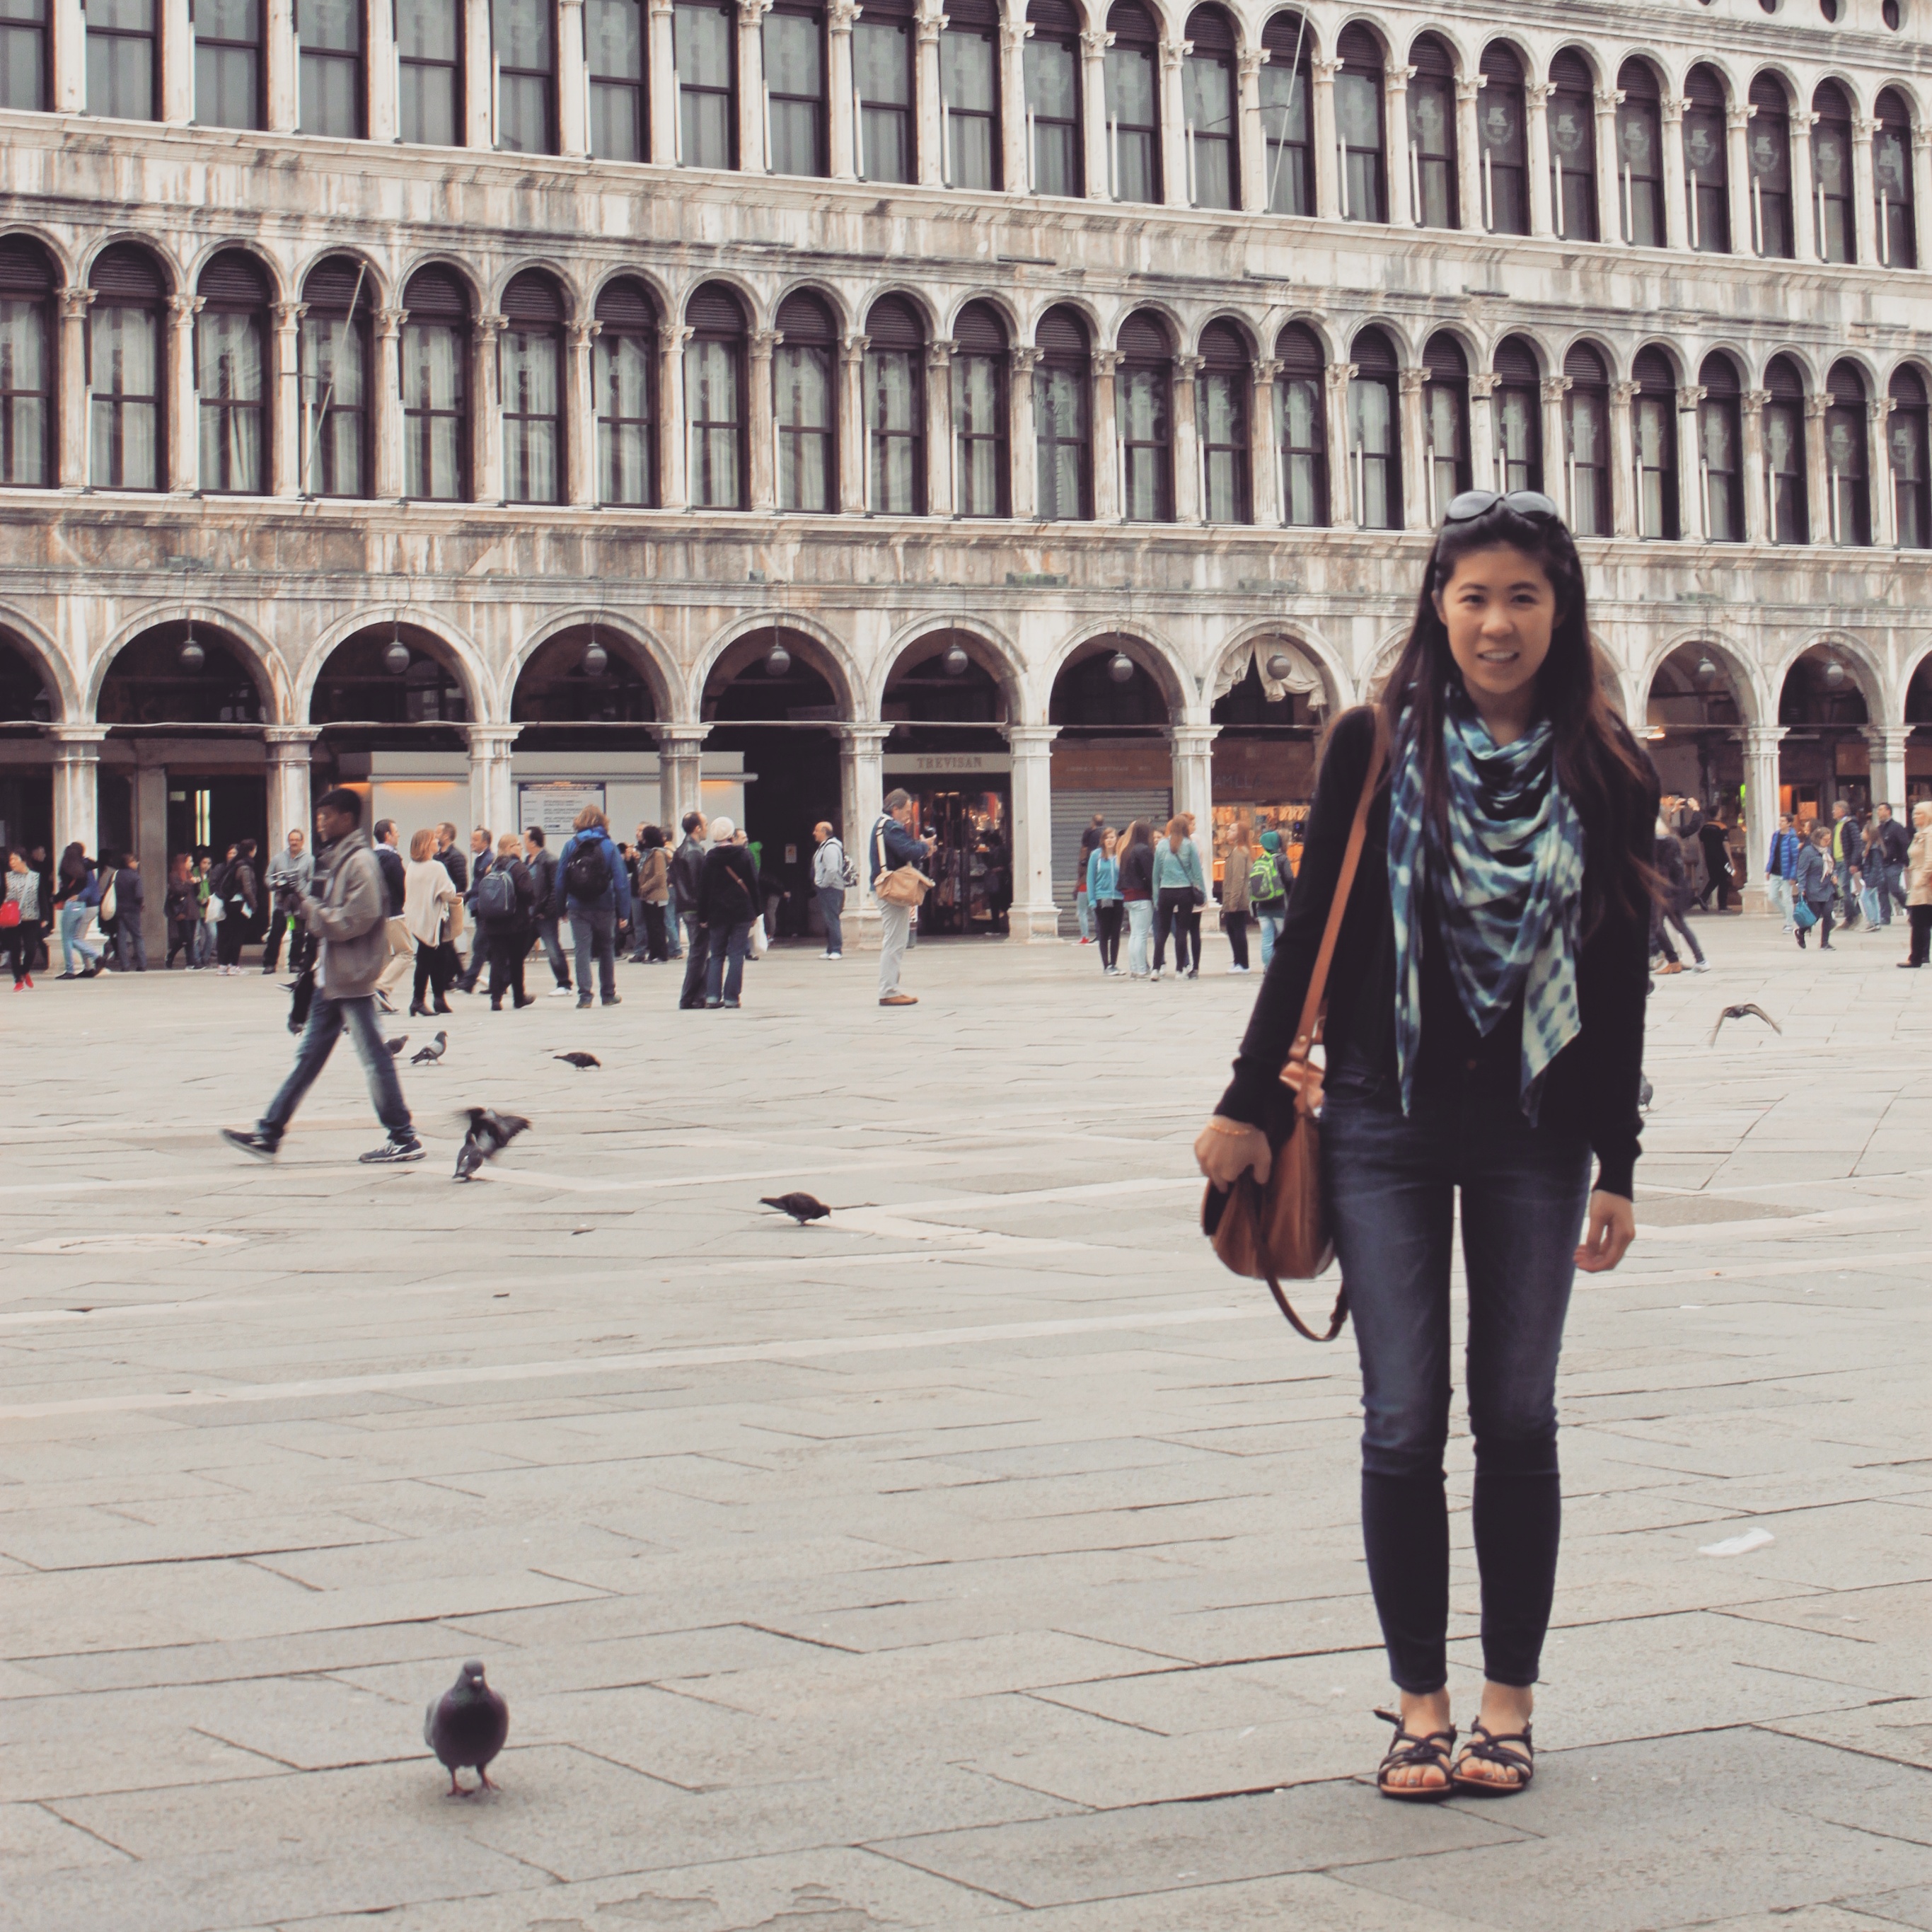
{"x": 562, "y": 993}
{"x": 1237, "y": 969}
{"x": 1155, "y": 974}
{"x": 1702, "y": 966}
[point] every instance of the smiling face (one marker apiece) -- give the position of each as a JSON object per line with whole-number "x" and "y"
{"x": 1499, "y": 609}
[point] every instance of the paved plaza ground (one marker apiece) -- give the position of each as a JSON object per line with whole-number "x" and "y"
{"x": 984, "y": 1557}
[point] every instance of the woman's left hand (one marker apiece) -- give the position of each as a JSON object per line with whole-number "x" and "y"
{"x": 1609, "y": 1228}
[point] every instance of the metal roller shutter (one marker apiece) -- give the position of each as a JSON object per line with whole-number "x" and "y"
{"x": 1072, "y": 811}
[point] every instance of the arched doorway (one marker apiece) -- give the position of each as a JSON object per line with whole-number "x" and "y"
{"x": 1695, "y": 717}
{"x": 1824, "y": 755}
{"x": 1272, "y": 702}
{"x": 27, "y": 701}
{"x": 1918, "y": 741}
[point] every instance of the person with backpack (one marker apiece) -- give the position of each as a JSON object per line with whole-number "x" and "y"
{"x": 1103, "y": 897}
{"x": 592, "y": 891}
{"x": 503, "y": 897}
{"x": 181, "y": 910}
{"x": 482, "y": 862}
{"x": 687, "y": 885}
{"x": 1235, "y": 872}
{"x": 1267, "y": 892}
{"x": 543, "y": 869}
{"x": 728, "y": 902}
{"x": 832, "y": 876}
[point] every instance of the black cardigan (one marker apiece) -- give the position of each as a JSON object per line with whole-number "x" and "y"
{"x": 1590, "y": 1086}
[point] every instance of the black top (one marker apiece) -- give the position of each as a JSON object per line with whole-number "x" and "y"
{"x": 727, "y": 894}
{"x": 1590, "y": 1088}
{"x": 394, "y": 877}
{"x": 1136, "y": 875}
{"x": 452, "y": 861}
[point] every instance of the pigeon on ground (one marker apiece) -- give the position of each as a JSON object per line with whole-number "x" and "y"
{"x": 396, "y": 1045}
{"x": 583, "y": 1062}
{"x": 490, "y": 1133}
{"x": 428, "y": 1056}
{"x": 802, "y": 1207}
{"x": 1645, "y": 1092}
{"x": 1755, "y": 1011}
{"x": 467, "y": 1725}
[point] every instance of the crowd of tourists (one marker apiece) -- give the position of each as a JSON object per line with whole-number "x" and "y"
{"x": 1850, "y": 873}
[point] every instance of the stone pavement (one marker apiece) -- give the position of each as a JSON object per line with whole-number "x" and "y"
{"x": 983, "y": 1557}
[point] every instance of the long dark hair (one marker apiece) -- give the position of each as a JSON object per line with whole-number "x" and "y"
{"x": 1597, "y": 762}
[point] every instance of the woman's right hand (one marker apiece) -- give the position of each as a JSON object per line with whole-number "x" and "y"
{"x": 1226, "y": 1150}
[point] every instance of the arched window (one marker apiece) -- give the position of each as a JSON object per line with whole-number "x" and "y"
{"x": 1358, "y": 125}
{"x": 979, "y": 448}
{"x": 330, "y": 43}
{"x": 123, "y": 370}
{"x": 435, "y": 370}
{"x": 882, "y": 56}
{"x": 1720, "y": 451}
{"x": 1144, "y": 403}
{"x": 1062, "y": 437}
{"x": 1222, "y": 391}
{"x": 524, "y": 39}
{"x": 616, "y": 35}
{"x": 1707, "y": 167}
{"x": 529, "y": 364}
{"x": 1445, "y": 421}
{"x": 1301, "y": 426}
{"x": 228, "y": 63}
{"x": 1518, "y": 415}
{"x": 1768, "y": 139}
{"x": 1832, "y": 213}
{"x": 231, "y": 344}
{"x": 26, "y": 364}
{"x": 1845, "y": 456}
{"x": 1640, "y": 156}
{"x": 1375, "y": 432}
{"x": 123, "y": 62}
{"x": 24, "y": 71}
{"x": 1501, "y": 122}
{"x": 625, "y": 358}
{"x": 1054, "y": 156}
{"x": 805, "y": 390}
{"x": 1786, "y": 490}
{"x": 338, "y": 298}
{"x": 1133, "y": 103}
{"x": 1572, "y": 114}
{"x": 969, "y": 95}
{"x": 714, "y": 399}
{"x": 1286, "y": 128}
{"x": 704, "y": 42}
{"x": 1654, "y": 431}
{"x": 795, "y": 128}
{"x": 430, "y": 78}
{"x": 895, "y": 409}
{"x": 1586, "y": 425}
{"x": 1891, "y": 183}
{"x": 1432, "y": 134}
{"x": 1209, "y": 102}
{"x": 1911, "y": 461}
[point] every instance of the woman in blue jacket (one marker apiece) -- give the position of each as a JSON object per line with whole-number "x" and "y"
{"x": 1179, "y": 889}
{"x": 1103, "y": 897}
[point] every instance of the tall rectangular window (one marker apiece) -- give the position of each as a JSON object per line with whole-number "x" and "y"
{"x": 979, "y": 436}
{"x": 1640, "y": 170}
{"x": 1572, "y": 150}
{"x": 1444, "y": 433}
{"x": 1222, "y": 401}
{"x": 228, "y": 63}
{"x": 706, "y": 129}
{"x": 429, "y": 72}
{"x": 1285, "y": 130}
{"x": 1784, "y": 471}
{"x": 1431, "y": 150}
{"x": 229, "y": 380}
{"x": 714, "y": 414}
{"x": 530, "y": 361}
{"x": 1831, "y": 182}
{"x": 1061, "y": 440}
{"x": 1768, "y": 144}
{"x": 122, "y": 63}
{"x": 1891, "y": 188}
{"x": 626, "y": 458}
{"x": 614, "y": 48}
{"x": 1358, "y": 123}
{"x": 1147, "y": 469}
{"x": 1911, "y": 472}
{"x": 1518, "y": 444}
{"x": 26, "y": 394}
{"x": 1652, "y": 423}
{"x": 1372, "y": 432}
{"x": 525, "y": 33}
{"x": 794, "y": 44}
{"x": 969, "y": 101}
{"x": 1053, "y": 116}
{"x": 1707, "y": 184}
{"x": 1301, "y": 438}
{"x": 882, "y": 81}
{"x": 894, "y": 447}
{"x": 1133, "y": 124}
{"x": 125, "y": 380}
{"x": 23, "y": 54}
{"x": 1722, "y": 462}
{"x": 334, "y": 419}
{"x": 1207, "y": 101}
{"x": 1849, "y": 504}
{"x": 435, "y": 413}
{"x": 329, "y": 35}
{"x": 1587, "y": 420}
{"x": 802, "y": 377}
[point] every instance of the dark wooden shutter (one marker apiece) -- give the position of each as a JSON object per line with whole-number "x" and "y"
{"x": 1845, "y": 383}
{"x": 1299, "y": 350}
{"x": 1571, "y": 72}
{"x": 1062, "y": 335}
{"x": 26, "y": 271}
{"x": 1359, "y": 48}
{"x": 1515, "y": 361}
{"x": 979, "y": 330}
{"x": 1372, "y": 353}
{"x": 533, "y": 298}
{"x": 1703, "y": 88}
{"x": 1830, "y": 101}
{"x": 1284, "y": 33}
{"x": 893, "y": 322}
{"x": 124, "y": 273}
{"x": 1638, "y": 79}
{"x": 1768, "y": 95}
{"x": 715, "y": 311}
{"x": 1445, "y": 360}
{"x": 1211, "y": 31}
{"x": 1144, "y": 338}
{"x": 1783, "y": 381}
{"x": 437, "y": 294}
{"x": 1585, "y": 367}
{"x": 1719, "y": 376}
{"x": 1055, "y": 16}
{"x": 805, "y": 318}
{"x": 234, "y": 280}
{"x": 330, "y": 286}
{"x": 1431, "y": 56}
{"x": 1653, "y": 372}
{"x": 1223, "y": 345}
{"x": 626, "y": 305}
{"x": 1908, "y": 388}
{"x": 1130, "y": 21}
{"x": 1501, "y": 63}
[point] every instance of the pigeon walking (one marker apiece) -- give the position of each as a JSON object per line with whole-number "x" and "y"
{"x": 802, "y": 1207}
{"x": 396, "y": 1045}
{"x": 583, "y": 1062}
{"x": 467, "y": 1725}
{"x": 428, "y": 1056}
{"x": 490, "y": 1133}
{"x": 1750, "y": 1009}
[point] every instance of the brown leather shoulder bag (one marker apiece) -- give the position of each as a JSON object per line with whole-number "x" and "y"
{"x": 1280, "y": 1230}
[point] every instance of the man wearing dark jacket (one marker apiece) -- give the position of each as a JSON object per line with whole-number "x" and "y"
{"x": 894, "y": 844}
{"x": 1717, "y": 862}
{"x": 480, "y": 866}
{"x": 542, "y": 863}
{"x": 1894, "y": 842}
{"x": 130, "y": 899}
{"x": 687, "y": 885}
{"x": 727, "y": 903}
{"x": 595, "y": 897}
{"x": 402, "y": 946}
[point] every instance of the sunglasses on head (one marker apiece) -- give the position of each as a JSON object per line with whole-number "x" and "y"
{"x": 1473, "y": 503}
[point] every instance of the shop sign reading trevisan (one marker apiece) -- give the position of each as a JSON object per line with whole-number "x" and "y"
{"x": 945, "y": 764}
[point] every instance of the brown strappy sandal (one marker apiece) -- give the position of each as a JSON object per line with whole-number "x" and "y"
{"x": 1496, "y": 1747}
{"x": 1406, "y": 1749}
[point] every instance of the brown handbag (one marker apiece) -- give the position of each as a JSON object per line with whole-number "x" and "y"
{"x": 1281, "y": 1229}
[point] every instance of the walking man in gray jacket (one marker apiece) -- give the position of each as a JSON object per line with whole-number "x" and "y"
{"x": 347, "y": 912}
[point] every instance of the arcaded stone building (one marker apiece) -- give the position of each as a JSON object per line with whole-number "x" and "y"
{"x": 502, "y": 402}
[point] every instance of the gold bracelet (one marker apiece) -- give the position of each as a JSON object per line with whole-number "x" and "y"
{"x": 1219, "y": 1124}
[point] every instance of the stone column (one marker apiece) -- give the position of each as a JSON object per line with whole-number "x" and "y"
{"x": 1542, "y": 201}
{"x": 478, "y": 75}
{"x": 1807, "y": 244}
{"x": 1556, "y": 442}
{"x": 76, "y": 786}
{"x": 1469, "y": 154}
{"x": 1610, "y": 194}
{"x": 1395, "y": 142}
{"x": 1761, "y": 809}
{"x": 1173, "y": 125}
{"x": 579, "y": 429}
{"x": 1190, "y": 497}
{"x": 931, "y": 166}
{"x": 1023, "y": 478}
{"x": 1878, "y": 470}
{"x": 841, "y": 140}
{"x": 1341, "y": 480}
{"x": 281, "y": 73}
{"x": 1321, "y": 106}
{"x": 1817, "y": 470}
{"x": 1864, "y": 200}
{"x": 1034, "y": 918}
{"x": 1414, "y": 445}
{"x": 1264, "y": 459}
{"x": 74, "y": 428}
{"x": 1253, "y": 143}
{"x": 1737, "y": 170}
{"x": 184, "y": 426}
{"x": 1015, "y": 157}
{"x": 573, "y": 97}
{"x": 175, "y": 20}
{"x": 660, "y": 66}
{"x": 1108, "y": 507}
{"x": 386, "y": 414}
{"x": 487, "y": 478}
{"x": 1693, "y": 512}
{"x": 762, "y": 422}
{"x": 939, "y": 428}
{"x": 1676, "y": 213}
{"x": 1623, "y": 460}
{"x": 680, "y": 773}
{"x": 752, "y": 158}
{"x": 288, "y": 804}
{"x": 1887, "y": 743}
{"x": 854, "y": 454}
{"x": 288, "y": 461}
{"x": 674, "y": 485}
{"x": 493, "y": 797}
{"x": 150, "y": 829}
{"x": 1485, "y": 471}
{"x": 1094, "y": 46}
{"x": 1193, "y": 754}
{"x": 384, "y": 109}
{"x": 69, "y": 22}
{"x": 861, "y": 798}
{"x": 1757, "y": 506}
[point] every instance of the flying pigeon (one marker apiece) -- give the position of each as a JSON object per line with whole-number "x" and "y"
{"x": 1755, "y": 1011}
{"x": 467, "y": 1725}
{"x": 396, "y": 1045}
{"x": 490, "y": 1133}
{"x": 802, "y": 1207}
{"x": 428, "y": 1056}
{"x": 583, "y": 1062}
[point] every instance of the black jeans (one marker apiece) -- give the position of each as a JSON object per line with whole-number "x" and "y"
{"x": 1920, "y": 916}
{"x": 1236, "y": 924}
{"x": 1174, "y": 912}
{"x": 271, "y": 944}
{"x": 1107, "y": 914}
{"x": 655, "y": 945}
{"x": 508, "y": 951}
{"x": 1392, "y": 1181}
{"x": 432, "y": 971}
{"x": 697, "y": 961}
{"x": 181, "y": 938}
{"x": 19, "y": 942}
{"x": 1823, "y": 908}
{"x": 229, "y": 936}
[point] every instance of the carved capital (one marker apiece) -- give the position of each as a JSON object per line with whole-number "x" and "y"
{"x": 1738, "y": 119}
{"x": 1325, "y": 71}
{"x": 1877, "y": 408}
{"x": 389, "y": 322}
{"x": 1251, "y": 63}
{"x": 1802, "y": 119}
{"x": 1341, "y": 374}
{"x": 1753, "y": 401}
{"x": 288, "y": 315}
{"x": 1014, "y": 35}
{"x": 1622, "y": 394}
{"x": 1864, "y": 127}
{"x": 487, "y": 328}
{"x": 764, "y": 341}
{"x": 1095, "y": 41}
{"x": 1189, "y": 367}
{"x": 1537, "y": 94}
{"x": 672, "y": 336}
{"x": 1555, "y": 388}
{"x": 185, "y": 308}
{"x": 930, "y": 26}
{"x": 1609, "y": 100}
{"x": 1173, "y": 52}
{"x": 1412, "y": 381}
{"x": 1689, "y": 394}
{"x": 1395, "y": 81}
{"x": 74, "y": 303}
{"x": 751, "y": 12}
{"x": 1483, "y": 386}
{"x": 842, "y": 14}
{"x": 1673, "y": 106}
{"x": 583, "y": 331}
{"x": 852, "y": 349}
{"x": 939, "y": 356}
{"x": 1468, "y": 88}
{"x": 1815, "y": 407}
{"x": 1025, "y": 359}
{"x": 1266, "y": 371}
{"x": 1105, "y": 361}
{"x": 1921, "y": 139}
